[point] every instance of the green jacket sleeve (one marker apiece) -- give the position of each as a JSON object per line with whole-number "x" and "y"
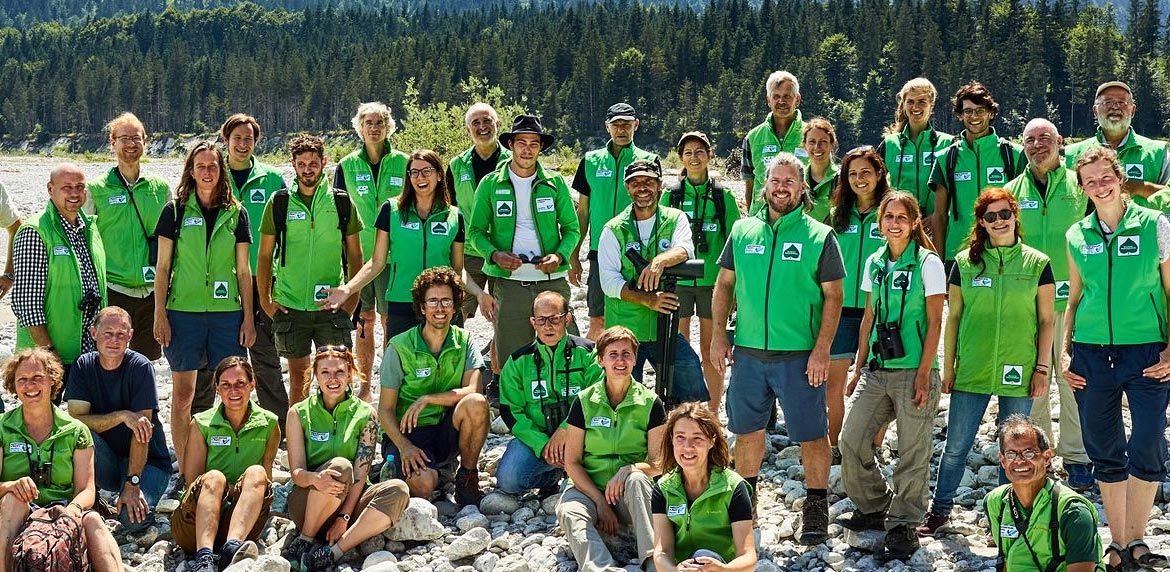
{"x": 567, "y": 218}
{"x": 481, "y": 215}
{"x": 512, "y": 383}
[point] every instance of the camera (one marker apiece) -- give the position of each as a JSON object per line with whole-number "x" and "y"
{"x": 41, "y": 473}
{"x": 555, "y": 413}
{"x": 889, "y": 341}
{"x": 700, "y": 239}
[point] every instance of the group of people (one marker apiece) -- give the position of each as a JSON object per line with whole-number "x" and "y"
{"x": 835, "y": 282}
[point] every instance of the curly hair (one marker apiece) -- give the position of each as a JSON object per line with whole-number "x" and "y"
{"x": 339, "y": 351}
{"x": 1095, "y": 154}
{"x": 976, "y": 93}
{"x": 436, "y": 276}
{"x": 720, "y": 454}
{"x": 977, "y": 240}
{"x": 50, "y": 363}
{"x": 844, "y": 197}
{"x": 305, "y": 143}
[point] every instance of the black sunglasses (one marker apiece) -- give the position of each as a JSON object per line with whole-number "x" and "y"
{"x": 1005, "y": 214}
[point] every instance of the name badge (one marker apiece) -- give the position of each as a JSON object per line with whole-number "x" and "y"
{"x": 574, "y": 390}
{"x": 412, "y": 225}
{"x": 363, "y": 189}
{"x": 298, "y": 215}
{"x": 688, "y": 203}
{"x": 753, "y": 249}
{"x": 852, "y": 229}
{"x": 676, "y": 510}
{"x": 601, "y": 422}
{"x": 221, "y": 440}
{"x": 963, "y": 176}
{"x": 119, "y": 199}
{"x": 422, "y": 372}
{"x": 637, "y": 246}
{"x": 257, "y": 197}
{"x": 220, "y": 291}
{"x": 981, "y": 282}
{"x": 1008, "y": 531}
{"x": 545, "y": 205}
{"x": 363, "y": 177}
{"x": 193, "y": 221}
{"x": 502, "y": 191}
{"x": 905, "y": 159}
{"x": 18, "y": 447}
{"x": 710, "y": 227}
{"x": 464, "y": 177}
{"x": 60, "y": 251}
{"x": 875, "y": 231}
{"x": 1089, "y": 249}
{"x": 396, "y": 181}
{"x": 320, "y": 292}
{"x": 318, "y": 437}
{"x": 770, "y": 149}
{"x": 440, "y": 227}
{"x": 1030, "y": 204}
{"x": 603, "y": 172}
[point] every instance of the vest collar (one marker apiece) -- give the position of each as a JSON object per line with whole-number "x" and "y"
{"x": 770, "y": 121}
{"x": 991, "y": 136}
{"x": 1004, "y": 254}
{"x": 904, "y": 135}
{"x": 785, "y": 221}
{"x": 636, "y": 395}
{"x": 254, "y": 418}
{"x": 1129, "y": 141}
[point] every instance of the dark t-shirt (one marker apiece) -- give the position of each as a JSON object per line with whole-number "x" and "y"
{"x": 740, "y": 508}
{"x": 657, "y": 414}
{"x": 130, "y": 387}
{"x": 166, "y": 223}
{"x": 1046, "y": 276}
{"x": 480, "y": 167}
{"x": 240, "y": 176}
{"x": 383, "y": 222}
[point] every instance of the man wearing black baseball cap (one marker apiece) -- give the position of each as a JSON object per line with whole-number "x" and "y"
{"x": 524, "y": 225}
{"x": 599, "y": 184}
{"x": 662, "y": 236}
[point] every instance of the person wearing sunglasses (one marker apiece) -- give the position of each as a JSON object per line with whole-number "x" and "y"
{"x": 998, "y": 338}
{"x": 431, "y": 406}
{"x": 331, "y": 440}
{"x": 231, "y": 449}
{"x": 419, "y": 229}
{"x": 1036, "y": 522}
{"x": 46, "y": 460}
{"x": 1119, "y": 281}
{"x": 909, "y": 145}
{"x": 538, "y": 383}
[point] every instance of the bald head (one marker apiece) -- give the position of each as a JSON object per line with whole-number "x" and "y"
{"x": 67, "y": 168}
{"x": 1042, "y": 145}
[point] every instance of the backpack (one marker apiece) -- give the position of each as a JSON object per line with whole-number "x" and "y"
{"x": 280, "y": 220}
{"x": 52, "y": 541}
{"x": 1011, "y": 169}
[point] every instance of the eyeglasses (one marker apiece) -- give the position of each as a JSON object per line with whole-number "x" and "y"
{"x": 555, "y": 319}
{"x": 416, "y": 173}
{"x": 436, "y": 303}
{"x": 124, "y": 139}
{"x": 238, "y": 386}
{"x": 1027, "y": 454}
{"x": 1111, "y": 102}
{"x": 975, "y": 112}
{"x": 990, "y": 217}
{"x": 337, "y": 348}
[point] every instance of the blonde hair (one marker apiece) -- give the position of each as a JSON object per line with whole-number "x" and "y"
{"x": 49, "y": 362}
{"x": 901, "y": 118}
{"x": 126, "y": 118}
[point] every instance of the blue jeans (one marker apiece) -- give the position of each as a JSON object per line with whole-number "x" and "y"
{"x": 521, "y": 470}
{"x": 689, "y": 384}
{"x": 963, "y": 421}
{"x": 110, "y": 472}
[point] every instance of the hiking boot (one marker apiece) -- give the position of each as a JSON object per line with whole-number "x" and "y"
{"x": 320, "y": 559}
{"x": 205, "y": 563}
{"x": 901, "y": 543}
{"x": 295, "y": 549}
{"x": 859, "y": 521}
{"x": 815, "y": 527}
{"x": 467, "y": 487}
{"x": 236, "y": 550}
{"x": 931, "y": 523}
{"x": 1080, "y": 477}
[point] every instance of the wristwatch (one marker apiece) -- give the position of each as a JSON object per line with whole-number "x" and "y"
{"x": 134, "y": 480}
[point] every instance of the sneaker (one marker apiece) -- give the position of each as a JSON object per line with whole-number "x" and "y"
{"x": 931, "y": 523}
{"x": 320, "y": 559}
{"x": 236, "y": 550}
{"x": 467, "y": 487}
{"x": 206, "y": 563}
{"x": 293, "y": 550}
{"x": 859, "y": 521}
{"x": 815, "y": 529}
{"x": 901, "y": 543}
{"x": 1080, "y": 476}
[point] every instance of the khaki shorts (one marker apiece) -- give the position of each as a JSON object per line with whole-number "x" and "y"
{"x": 692, "y": 300}
{"x": 183, "y": 519}
{"x": 373, "y": 296}
{"x": 296, "y": 332}
{"x": 389, "y": 497}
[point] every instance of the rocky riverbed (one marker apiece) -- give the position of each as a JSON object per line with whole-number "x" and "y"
{"x": 506, "y": 534}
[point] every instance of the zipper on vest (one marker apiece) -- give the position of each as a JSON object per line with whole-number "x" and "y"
{"x": 1109, "y": 290}
{"x": 768, "y": 287}
{"x": 860, "y": 253}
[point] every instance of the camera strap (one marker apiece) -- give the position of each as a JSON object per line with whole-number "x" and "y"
{"x": 651, "y": 243}
{"x": 130, "y": 197}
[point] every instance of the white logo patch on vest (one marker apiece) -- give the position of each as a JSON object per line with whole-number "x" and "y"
{"x": 148, "y": 274}
{"x": 928, "y": 157}
{"x": 545, "y": 205}
{"x": 1030, "y": 205}
{"x": 221, "y": 441}
{"x": 853, "y": 229}
{"x": 465, "y": 177}
{"x": 18, "y": 447}
{"x": 710, "y": 227}
{"x": 60, "y": 251}
{"x": 320, "y": 292}
{"x": 504, "y": 208}
{"x": 539, "y": 389}
{"x": 193, "y": 221}
{"x": 901, "y": 279}
{"x": 1135, "y": 171}
{"x": 298, "y": 215}
{"x": 981, "y": 282}
{"x": 220, "y": 290}
{"x": 664, "y": 244}
{"x": 753, "y": 249}
{"x": 440, "y": 227}
{"x": 422, "y": 372}
{"x": 318, "y": 436}
{"x": 601, "y": 422}
{"x": 412, "y": 225}
{"x": 1008, "y": 531}
{"x": 770, "y": 149}
{"x": 396, "y": 181}
{"x": 904, "y": 159}
{"x": 792, "y": 251}
{"x": 800, "y": 152}
{"x": 1129, "y": 246}
{"x": 962, "y": 176}
{"x": 257, "y": 196}
{"x": 119, "y": 199}
{"x": 1089, "y": 249}
{"x": 604, "y": 172}
{"x": 676, "y": 510}
{"x": 363, "y": 189}
{"x": 1013, "y": 375}
{"x": 363, "y": 177}
{"x": 875, "y": 232}
{"x": 995, "y": 175}
{"x": 1062, "y": 289}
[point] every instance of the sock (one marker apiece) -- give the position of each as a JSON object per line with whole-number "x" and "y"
{"x": 818, "y": 493}
{"x": 305, "y": 538}
{"x": 202, "y": 552}
{"x": 336, "y": 552}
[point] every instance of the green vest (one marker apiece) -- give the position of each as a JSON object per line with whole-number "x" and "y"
{"x": 701, "y": 203}
{"x": 1045, "y": 218}
{"x": 465, "y": 184}
{"x": 976, "y": 168}
{"x": 900, "y": 297}
{"x": 203, "y": 277}
{"x": 493, "y": 220}
{"x": 336, "y": 434}
{"x": 231, "y": 451}
{"x": 821, "y": 193}
{"x": 1122, "y": 302}
{"x": 776, "y": 285}
{"x": 607, "y": 190}
{"x": 263, "y": 182}
{"x": 858, "y": 241}
{"x": 640, "y": 319}
{"x": 1000, "y": 325}
{"x": 764, "y": 146}
{"x": 909, "y": 162}
{"x": 66, "y": 436}
{"x": 1018, "y": 557}
{"x": 703, "y": 523}
{"x": 432, "y": 238}
{"x": 313, "y": 250}
{"x": 1141, "y": 157}
{"x": 536, "y": 377}
{"x": 366, "y": 193}
{"x": 423, "y": 374}
{"x": 617, "y": 437}
{"x": 63, "y": 292}
{"x": 129, "y": 264}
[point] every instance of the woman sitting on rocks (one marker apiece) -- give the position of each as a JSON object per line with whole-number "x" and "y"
{"x": 46, "y": 459}
{"x": 335, "y": 432}
{"x": 702, "y": 510}
{"x": 612, "y": 452}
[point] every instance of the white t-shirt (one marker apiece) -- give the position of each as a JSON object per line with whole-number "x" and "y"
{"x": 934, "y": 274}
{"x": 525, "y": 241}
{"x": 8, "y": 215}
{"x": 610, "y": 253}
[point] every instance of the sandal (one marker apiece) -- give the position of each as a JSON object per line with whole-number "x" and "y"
{"x": 1147, "y": 560}
{"x": 1122, "y": 554}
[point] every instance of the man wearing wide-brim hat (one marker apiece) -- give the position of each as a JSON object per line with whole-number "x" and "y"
{"x": 524, "y": 223}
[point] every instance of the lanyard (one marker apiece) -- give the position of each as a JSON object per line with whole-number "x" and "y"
{"x": 652, "y": 242}
{"x": 1022, "y": 525}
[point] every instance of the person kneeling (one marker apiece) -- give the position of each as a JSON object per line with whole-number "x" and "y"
{"x": 228, "y": 463}
{"x": 335, "y": 431}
